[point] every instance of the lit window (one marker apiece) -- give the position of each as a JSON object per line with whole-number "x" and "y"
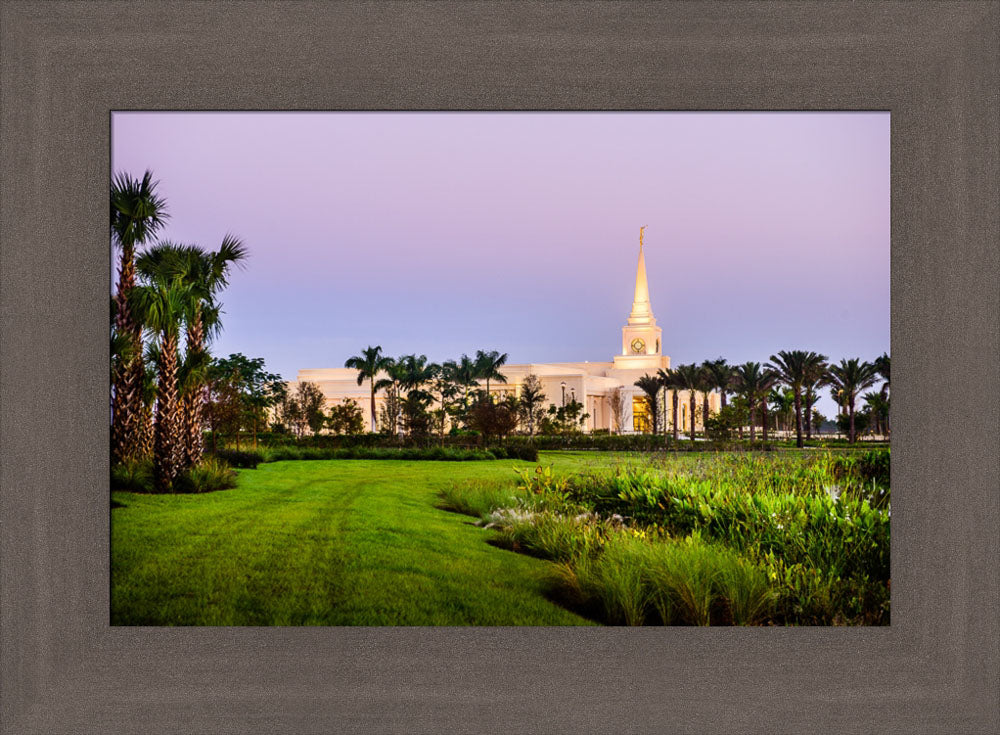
{"x": 641, "y": 419}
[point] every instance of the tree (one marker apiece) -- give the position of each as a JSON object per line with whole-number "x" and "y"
{"x": 137, "y": 214}
{"x": 815, "y": 377}
{"x": 721, "y": 377}
{"x": 346, "y": 418}
{"x": 650, "y": 386}
{"x": 565, "y": 419}
{"x": 706, "y": 384}
{"x": 223, "y": 410}
{"x": 369, "y": 364}
{"x": 488, "y": 366}
{"x": 465, "y": 374}
{"x": 672, "y": 382}
{"x": 793, "y": 368}
{"x": 396, "y": 374}
{"x": 162, "y": 305}
{"x": 531, "y": 400}
{"x": 493, "y": 418}
{"x": 443, "y": 383}
{"x": 310, "y": 400}
{"x": 882, "y": 367}
{"x": 616, "y": 401}
{"x": 783, "y": 404}
{"x": 689, "y": 377}
{"x": 851, "y": 377}
{"x": 207, "y": 274}
{"x": 878, "y": 409}
{"x": 753, "y": 384}
{"x": 258, "y": 389}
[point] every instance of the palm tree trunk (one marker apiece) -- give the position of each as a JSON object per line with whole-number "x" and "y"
{"x": 165, "y": 440}
{"x": 809, "y": 423}
{"x": 694, "y": 411}
{"x": 373, "y": 404}
{"x": 127, "y": 391}
{"x": 146, "y": 431}
{"x": 798, "y": 420}
{"x": 192, "y": 400}
{"x": 752, "y": 428}
{"x": 676, "y": 427}
{"x": 704, "y": 417}
{"x": 850, "y": 413}
{"x": 763, "y": 414}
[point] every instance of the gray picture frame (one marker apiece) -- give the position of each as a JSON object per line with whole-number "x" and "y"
{"x": 65, "y": 65}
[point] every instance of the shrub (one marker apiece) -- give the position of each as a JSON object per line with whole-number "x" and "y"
{"x": 634, "y": 579}
{"x": 133, "y": 476}
{"x": 242, "y": 459}
{"x": 477, "y": 498}
{"x": 207, "y": 476}
{"x": 786, "y": 539}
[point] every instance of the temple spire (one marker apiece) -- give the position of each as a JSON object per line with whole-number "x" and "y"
{"x": 642, "y": 313}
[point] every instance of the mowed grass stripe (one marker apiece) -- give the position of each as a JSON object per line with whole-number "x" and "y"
{"x": 334, "y": 542}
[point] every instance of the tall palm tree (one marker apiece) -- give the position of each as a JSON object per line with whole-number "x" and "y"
{"x": 850, "y": 377}
{"x": 669, "y": 380}
{"x": 488, "y": 366}
{"x": 815, "y": 377}
{"x": 783, "y": 403}
{"x": 415, "y": 372}
{"x": 651, "y": 386}
{"x": 465, "y": 373}
{"x": 137, "y": 214}
{"x": 793, "y": 368}
{"x": 706, "y": 384}
{"x": 722, "y": 376}
{"x": 689, "y": 378}
{"x": 396, "y": 375}
{"x": 207, "y": 273}
{"x": 753, "y": 384}
{"x": 882, "y": 366}
{"x": 369, "y": 364}
{"x": 878, "y": 405}
{"x": 531, "y": 400}
{"x": 162, "y": 305}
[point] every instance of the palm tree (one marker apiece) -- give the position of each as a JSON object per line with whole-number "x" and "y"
{"x": 162, "y": 305}
{"x": 465, "y": 373}
{"x": 651, "y": 387}
{"x": 689, "y": 379}
{"x": 531, "y": 400}
{"x": 814, "y": 378}
{"x": 488, "y": 366}
{"x": 882, "y": 366}
{"x": 851, "y": 377}
{"x": 753, "y": 384}
{"x": 369, "y": 364}
{"x": 783, "y": 403}
{"x": 207, "y": 274}
{"x": 414, "y": 372}
{"x": 670, "y": 381}
{"x": 397, "y": 375}
{"x": 878, "y": 405}
{"x": 137, "y": 214}
{"x": 722, "y": 374}
{"x": 793, "y": 368}
{"x": 706, "y": 384}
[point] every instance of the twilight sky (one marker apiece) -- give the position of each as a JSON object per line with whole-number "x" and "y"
{"x": 443, "y": 233}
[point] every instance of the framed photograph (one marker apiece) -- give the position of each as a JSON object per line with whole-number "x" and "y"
{"x": 165, "y": 615}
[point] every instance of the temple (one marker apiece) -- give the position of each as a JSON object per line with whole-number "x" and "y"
{"x": 587, "y": 382}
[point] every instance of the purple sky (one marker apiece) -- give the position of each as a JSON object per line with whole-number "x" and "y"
{"x": 443, "y": 233}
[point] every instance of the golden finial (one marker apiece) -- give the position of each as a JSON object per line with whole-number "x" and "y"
{"x": 640, "y": 234}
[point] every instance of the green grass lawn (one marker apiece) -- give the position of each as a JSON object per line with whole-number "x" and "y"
{"x": 337, "y": 542}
